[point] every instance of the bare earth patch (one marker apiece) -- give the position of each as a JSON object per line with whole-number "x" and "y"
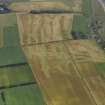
{"x": 75, "y": 5}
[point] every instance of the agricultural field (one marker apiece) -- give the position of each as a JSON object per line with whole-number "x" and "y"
{"x": 47, "y": 28}
{"x": 75, "y": 61}
{"x": 9, "y": 35}
{"x": 74, "y": 5}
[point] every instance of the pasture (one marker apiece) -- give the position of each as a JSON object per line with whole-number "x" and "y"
{"x": 9, "y": 35}
{"x": 11, "y": 55}
{"x": 15, "y": 75}
{"x": 23, "y": 95}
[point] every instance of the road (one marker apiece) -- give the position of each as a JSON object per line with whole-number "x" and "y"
{"x": 102, "y": 2}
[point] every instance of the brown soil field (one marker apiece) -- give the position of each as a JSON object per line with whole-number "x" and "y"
{"x": 28, "y": 6}
{"x": 41, "y": 28}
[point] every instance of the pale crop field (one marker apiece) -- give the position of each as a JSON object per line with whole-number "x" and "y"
{"x": 42, "y": 28}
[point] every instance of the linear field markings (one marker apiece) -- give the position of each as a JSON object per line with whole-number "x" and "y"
{"x": 86, "y": 54}
{"x": 54, "y": 70}
{"x": 40, "y": 28}
{"x": 11, "y": 55}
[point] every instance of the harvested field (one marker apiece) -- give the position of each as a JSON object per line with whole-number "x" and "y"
{"x": 9, "y": 35}
{"x": 53, "y": 64}
{"x": 25, "y": 95}
{"x": 97, "y": 87}
{"x": 86, "y": 53}
{"x": 22, "y": 6}
{"x": 47, "y": 28}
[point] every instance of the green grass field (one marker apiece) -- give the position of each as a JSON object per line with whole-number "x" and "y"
{"x": 26, "y": 95}
{"x": 81, "y": 22}
{"x": 10, "y": 76}
{"x": 11, "y": 36}
{"x": 1, "y": 101}
{"x": 11, "y": 55}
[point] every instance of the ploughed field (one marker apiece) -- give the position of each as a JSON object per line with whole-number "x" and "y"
{"x": 74, "y": 5}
